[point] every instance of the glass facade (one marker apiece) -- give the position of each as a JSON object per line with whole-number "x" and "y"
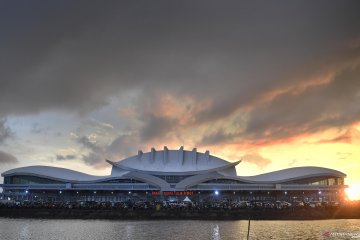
{"x": 173, "y": 178}
{"x": 29, "y": 180}
{"x": 329, "y": 182}
{"x": 122, "y": 181}
{"x": 226, "y": 181}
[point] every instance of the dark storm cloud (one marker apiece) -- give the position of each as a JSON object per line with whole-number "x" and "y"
{"x": 7, "y": 158}
{"x": 123, "y": 146}
{"x": 156, "y": 127}
{"x": 331, "y": 105}
{"x": 86, "y": 142}
{"x": 76, "y": 55}
{"x": 5, "y": 131}
{"x": 335, "y": 104}
{"x": 120, "y": 147}
{"x": 60, "y": 157}
{"x": 219, "y": 137}
{"x": 96, "y": 153}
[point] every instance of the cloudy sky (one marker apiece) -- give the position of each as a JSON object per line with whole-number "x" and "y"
{"x": 276, "y": 84}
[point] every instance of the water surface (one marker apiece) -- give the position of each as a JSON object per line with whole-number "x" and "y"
{"x": 183, "y": 229}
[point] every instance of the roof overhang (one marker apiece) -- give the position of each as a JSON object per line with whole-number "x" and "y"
{"x": 126, "y": 168}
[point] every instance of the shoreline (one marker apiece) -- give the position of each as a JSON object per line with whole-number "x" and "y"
{"x": 181, "y": 214}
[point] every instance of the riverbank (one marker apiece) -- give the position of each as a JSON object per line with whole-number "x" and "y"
{"x": 201, "y": 214}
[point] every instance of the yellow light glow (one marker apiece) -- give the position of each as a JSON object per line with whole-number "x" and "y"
{"x": 353, "y": 192}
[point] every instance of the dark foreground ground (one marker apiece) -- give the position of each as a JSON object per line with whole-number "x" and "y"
{"x": 203, "y": 214}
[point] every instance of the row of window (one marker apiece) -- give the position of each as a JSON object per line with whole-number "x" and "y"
{"x": 29, "y": 180}
{"x": 225, "y": 181}
{"x": 172, "y": 178}
{"x": 122, "y": 181}
{"x": 319, "y": 181}
{"x": 329, "y": 182}
{"x": 23, "y": 179}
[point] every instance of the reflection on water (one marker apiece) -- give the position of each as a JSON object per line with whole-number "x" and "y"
{"x": 24, "y": 231}
{"x": 129, "y": 231}
{"x": 216, "y": 234}
{"x": 184, "y": 229}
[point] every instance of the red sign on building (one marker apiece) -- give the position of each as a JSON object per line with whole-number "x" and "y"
{"x": 173, "y": 193}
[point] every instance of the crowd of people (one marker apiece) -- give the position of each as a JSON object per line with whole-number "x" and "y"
{"x": 164, "y": 205}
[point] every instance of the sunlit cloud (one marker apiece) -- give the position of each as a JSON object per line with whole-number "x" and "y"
{"x": 110, "y": 80}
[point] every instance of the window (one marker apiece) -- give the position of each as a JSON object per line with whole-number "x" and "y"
{"x": 30, "y": 180}
{"x": 172, "y": 178}
{"x": 224, "y": 181}
{"x": 123, "y": 181}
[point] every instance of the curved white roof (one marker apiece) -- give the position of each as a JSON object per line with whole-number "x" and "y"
{"x": 55, "y": 173}
{"x": 173, "y": 161}
{"x": 294, "y": 173}
{"x": 178, "y": 162}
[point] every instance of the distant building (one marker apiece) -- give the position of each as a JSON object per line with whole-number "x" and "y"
{"x": 172, "y": 175}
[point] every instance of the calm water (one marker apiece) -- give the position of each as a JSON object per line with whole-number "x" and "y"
{"x": 106, "y": 229}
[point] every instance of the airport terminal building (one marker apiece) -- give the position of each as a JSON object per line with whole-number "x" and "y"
{"x": 172, "y": 175}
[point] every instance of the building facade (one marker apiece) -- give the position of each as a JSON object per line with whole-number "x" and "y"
{"x": 172, "y": 175}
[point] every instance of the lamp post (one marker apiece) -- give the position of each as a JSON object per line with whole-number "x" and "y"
{"x": 216, "y": 193}
{"x": 26, "y": 194}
